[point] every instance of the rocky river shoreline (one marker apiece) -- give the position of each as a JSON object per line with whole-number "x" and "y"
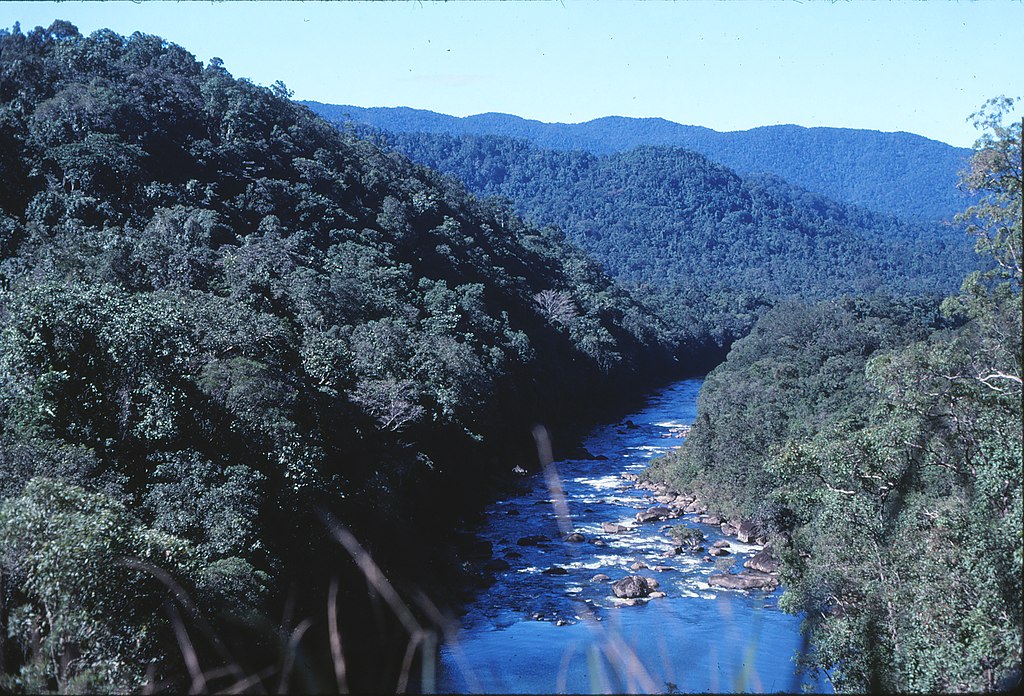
{"x": 677, "y": 525}
{"x": 760, "y": 570}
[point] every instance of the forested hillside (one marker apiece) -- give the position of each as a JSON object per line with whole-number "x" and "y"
{"x": 714, "y": 245}
{"x": 894, "y": 173}
{"x": 221, "y": 317}
{"x": 878, "y": 444}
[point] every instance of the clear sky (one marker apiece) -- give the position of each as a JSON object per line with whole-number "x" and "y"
{"x": 921, "y": 67}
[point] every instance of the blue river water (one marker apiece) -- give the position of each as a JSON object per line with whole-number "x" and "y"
{"x": 537, "y": 632}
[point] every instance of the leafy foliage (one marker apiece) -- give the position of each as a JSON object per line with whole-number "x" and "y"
{"x": 711, "y": 246}
{"x": 219, "y": 315}
{"x": 881, "y": 446}
{"x": 97, "y": 620}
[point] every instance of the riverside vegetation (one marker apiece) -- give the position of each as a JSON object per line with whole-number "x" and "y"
{"x": 221, "y": 316}
{"x": 224, "y": 320}
{"x": 879, "y": 444}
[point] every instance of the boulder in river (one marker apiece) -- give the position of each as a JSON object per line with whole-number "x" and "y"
{"x": 657, "y": 595}
{"x": 555, "y": 570}
{"x": 653, "y": 514}
{"x": 576, "y": 538}
{"x": 600, "y": 577}
{"x": 686, "y": 536}
{"x": 532, "y": 540}
{"x": 746, "y": 531}
{"x": 638, "y": 565}
{"x": 718, "y": 551}
{"x": 612, "y": 528}
{"x": 721, "y": 544}
{"x": 633, "y": 586}
{"x": 764, "y": 561}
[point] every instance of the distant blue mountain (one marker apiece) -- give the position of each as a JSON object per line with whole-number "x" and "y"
{"x": 895, "y": 173}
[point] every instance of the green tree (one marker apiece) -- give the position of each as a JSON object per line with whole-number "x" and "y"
{"x": 67, "y": 550}
{"x": 995, "y": 173}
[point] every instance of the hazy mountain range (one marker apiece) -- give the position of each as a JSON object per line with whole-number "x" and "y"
{"x": 897, "y": 173}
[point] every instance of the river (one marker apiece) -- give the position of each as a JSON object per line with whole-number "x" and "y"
{"x": 532, "y": 632}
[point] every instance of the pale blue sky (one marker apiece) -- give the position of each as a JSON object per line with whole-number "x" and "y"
{"x": 921, "y": 67}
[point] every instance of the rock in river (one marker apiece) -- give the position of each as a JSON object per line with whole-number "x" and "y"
{"x": 612, "y": 528}
{"x": 746, "y": 531}
{"x": 532, "y": 540}
{"x": 633, "y": 586}
{"x": 653, "y": 514}
{"x": 763, "y": 560}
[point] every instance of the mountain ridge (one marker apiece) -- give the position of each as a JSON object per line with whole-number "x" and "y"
{"x": 890, "y": 172}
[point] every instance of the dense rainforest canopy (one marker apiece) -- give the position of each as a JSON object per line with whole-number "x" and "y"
{"x": 879, "y": 443}
{"x": 712, "y": 247}
{"x": 895, "y": 173}
{"x": 221, "y": 315}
